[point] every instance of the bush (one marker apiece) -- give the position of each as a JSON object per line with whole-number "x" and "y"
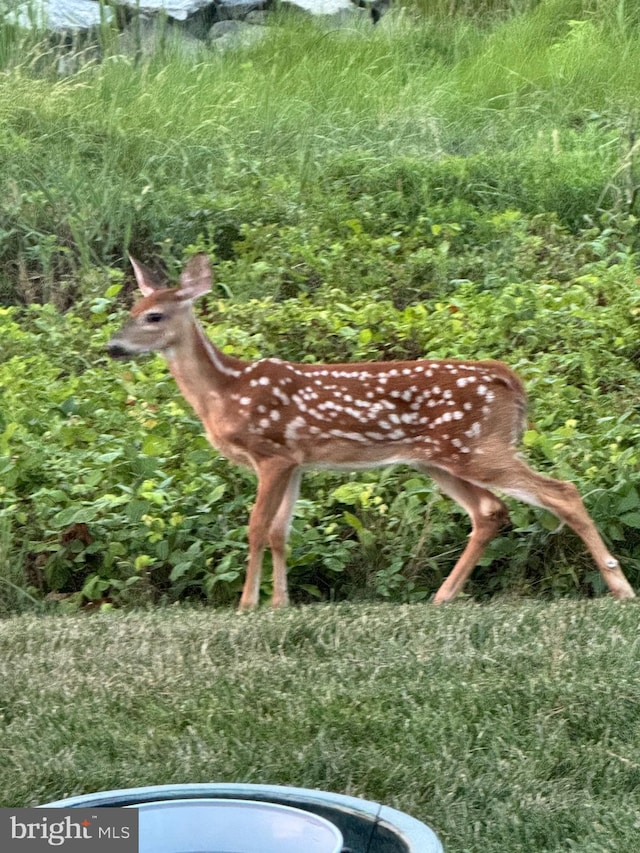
{"x": 110, "y": 491}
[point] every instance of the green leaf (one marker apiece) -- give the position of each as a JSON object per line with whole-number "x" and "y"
{"x": 631, "y": 519}
{"x": 94, "y": 586}
{"x": 629, "y": 502}
{"x": 179, "y": 571}
{"x": 75, "y": 515}
{"x": 354, "y": 522}
{"x": 154, "y": 445}
{"x": 136, "y": 509}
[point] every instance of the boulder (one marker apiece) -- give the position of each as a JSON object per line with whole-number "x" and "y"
{"x": 231, "y": 33}
{"x": 325, "y": 7}
{"x": 147, "y": 24}
{"x": 231, "y": 10}
{"x": 60, "y": 16}
{"x": 179, "y": 10}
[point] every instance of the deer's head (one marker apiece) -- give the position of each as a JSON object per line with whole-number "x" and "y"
{"x": 163, "y": 316}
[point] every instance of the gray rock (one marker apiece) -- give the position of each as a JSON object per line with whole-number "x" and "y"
{"x": 229, "y": 34}
{"x": 228, "y": 10}
{"x": 145, "y": 35}
{"x": 179, "y": 10}
{"x": 325, "y": 7}
{"x": 60, "y": 15}
{"x": 184, "y": 24}
{"x": 260, "y": 17}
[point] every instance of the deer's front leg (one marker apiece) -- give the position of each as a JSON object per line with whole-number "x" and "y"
{"x": 278, "y": 536}
{"x": 275, "y": 477}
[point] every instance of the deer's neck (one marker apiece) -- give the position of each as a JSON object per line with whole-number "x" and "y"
{"x": 202, "y": 372}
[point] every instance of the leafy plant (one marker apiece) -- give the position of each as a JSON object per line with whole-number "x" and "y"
{"x": 110, "y": 490}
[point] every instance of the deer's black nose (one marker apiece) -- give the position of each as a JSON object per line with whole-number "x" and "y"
{"x": 116, "y": 350}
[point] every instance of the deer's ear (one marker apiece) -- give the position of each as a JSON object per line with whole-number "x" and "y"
{"x": 196, "y": 278}
{"x": 147, "y": 280}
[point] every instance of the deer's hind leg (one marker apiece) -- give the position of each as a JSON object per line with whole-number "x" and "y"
{"x": 563, "y": 500}
{"x": 488, "y": 515}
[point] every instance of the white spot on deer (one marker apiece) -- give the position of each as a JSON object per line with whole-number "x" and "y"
{"x": 330, "y": 406}
{"x": 350, "y": 436}
{"x": 354, "y": 413}
{"x": 280, "y": 395}
{"x": 458, "y": 415}
{"x": 397, "y": 434}
{"x": 264, "y": 423}
{"x": 245, "y": 401}
{"x": 275, "y": 415}
{"x": 482, "y": 390}
{"x": 473, "y": 431}
{"x": 293, "y": 428}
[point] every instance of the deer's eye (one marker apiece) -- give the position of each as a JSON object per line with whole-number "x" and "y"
{"x": 154, "y": 317}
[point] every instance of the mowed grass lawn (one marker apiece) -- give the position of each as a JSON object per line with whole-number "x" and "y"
{"x": 513, "y": 726}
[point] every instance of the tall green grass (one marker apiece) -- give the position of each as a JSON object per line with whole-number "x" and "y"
{"x": 121, "y": 154}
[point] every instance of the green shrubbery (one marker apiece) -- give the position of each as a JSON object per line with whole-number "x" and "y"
{"x": 457, "y": 187}
{"x": 110, "y": 489}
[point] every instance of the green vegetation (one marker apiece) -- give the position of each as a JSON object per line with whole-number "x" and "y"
{"x": 507, "y": 727}
{"x": 446, "y": 184}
